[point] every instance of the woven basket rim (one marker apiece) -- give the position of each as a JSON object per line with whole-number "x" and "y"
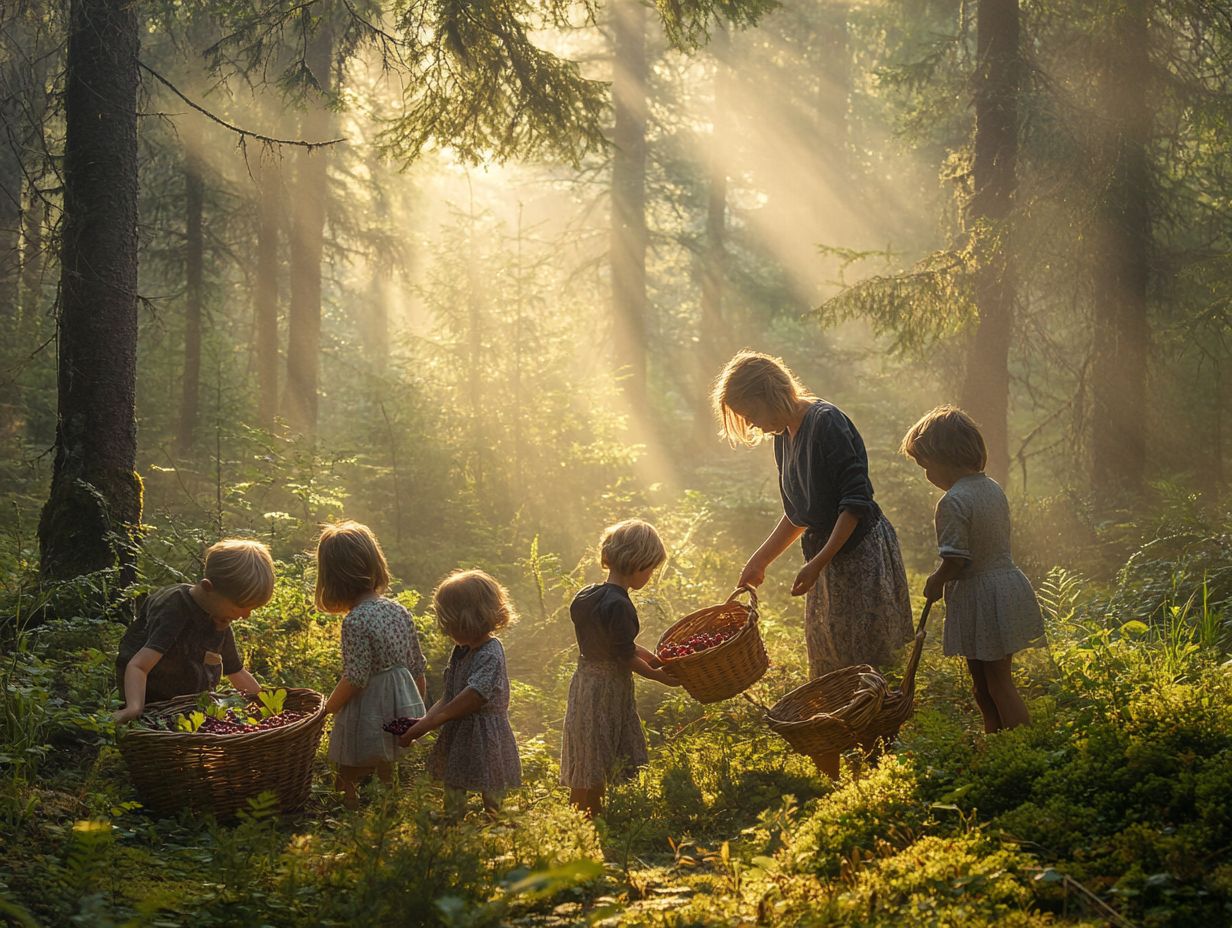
{"x": 858, "y": 670}
{"x": 188, "y": 739}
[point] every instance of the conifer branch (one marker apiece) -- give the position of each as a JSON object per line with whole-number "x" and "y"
{"x": 243, "y": 133}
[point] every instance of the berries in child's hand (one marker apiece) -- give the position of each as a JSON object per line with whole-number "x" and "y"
{"x": 701, "y": 641}
{"x": 399, "y": 726}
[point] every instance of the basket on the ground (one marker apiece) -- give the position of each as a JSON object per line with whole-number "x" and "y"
{"x": 174, "y": 770}
{"x": 830, "y": 713}
{"x": 726, "y": 669}
{"x": 849, "y": 707}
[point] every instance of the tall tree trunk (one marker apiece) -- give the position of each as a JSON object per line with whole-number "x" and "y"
{"x": 10, "y": 270}
{"x": 269, "y": 213}
{"x": 301, "y": 396}
{"x": 628, "y": 232}
{"x": 986, "y": 392}
{"x": 1122, "y": 267}
{"x": 711, "y": 336}
{"x": 90, "y": 519}
{"x": 194, "y": 263}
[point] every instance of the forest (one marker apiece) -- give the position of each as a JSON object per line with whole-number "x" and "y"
{"x": 484, "y": 276}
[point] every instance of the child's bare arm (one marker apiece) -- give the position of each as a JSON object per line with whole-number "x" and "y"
{"x": 421, "y": 684}
{"x": 951, "y": 567}
{"x": 135, "y": 679}
{"x": 343, "y": 693}
{"x": 465, "y": 703}
{"x": 659, "y": 674}
{"x": 245, "y": 682}
{"x": 648, "y": 656}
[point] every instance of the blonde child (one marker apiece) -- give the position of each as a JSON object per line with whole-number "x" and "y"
{"x": 990, "y": 609}
{"x": 382, "y": 663}
{"x": 181, "y": 642}
{"x": 476, "y": 750}
{"x": 603, "y": 734}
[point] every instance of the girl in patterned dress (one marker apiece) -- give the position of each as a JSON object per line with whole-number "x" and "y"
{"x": 382, "y": 663}
{"x": 990, "y": 609}
{"x": 476, "y": 750}
{"x": 603, "y": 734}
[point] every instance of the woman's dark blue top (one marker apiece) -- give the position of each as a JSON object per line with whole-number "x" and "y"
{"x": 823, "y": 470}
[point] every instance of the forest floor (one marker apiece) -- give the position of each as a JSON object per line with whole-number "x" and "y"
{"x": 1110, "y": 808}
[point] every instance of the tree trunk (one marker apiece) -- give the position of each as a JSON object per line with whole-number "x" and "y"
{"x": 986, "y": 392}
{"x": 10, "y": 271}
{"x": 194, "y": 263}
{"x": 90, "y": 519}
{"x": 628, "y": 233}
{"x": 1122, "y": 267}
{"x": 269, "y": 210}
{"x": 301, "y": 396}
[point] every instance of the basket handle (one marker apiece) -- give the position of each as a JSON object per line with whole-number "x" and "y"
{"x": 908, "y": 684}
{"x": 745, "y": 589}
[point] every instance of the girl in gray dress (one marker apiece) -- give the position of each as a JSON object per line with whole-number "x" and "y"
{"x": 382, "y": 663}
{"x": 476, "y": 750}
{"x": 990, "y": 609}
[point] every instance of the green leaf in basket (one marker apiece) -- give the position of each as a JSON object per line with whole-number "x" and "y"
{"x": 190, "y": 721}
{"x": 272, "y": 702}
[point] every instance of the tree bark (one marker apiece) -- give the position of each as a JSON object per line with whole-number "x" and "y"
{"x": 986, "y": 391}
{"x": 194, "y": 264}
{"x": 90, "y": 519}
{"x": 1122, "y": 266}
{"x": 628, "y": 231}
{"x": 301, "y": 394}
{"x": 269, "y": 214}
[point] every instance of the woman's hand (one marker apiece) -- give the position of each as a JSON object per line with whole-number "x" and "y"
{"x": 806, "y": 579}
{"x": 120, "y": 716}
{"x": 416, "y": 731}
{"x": 753, "y": 575}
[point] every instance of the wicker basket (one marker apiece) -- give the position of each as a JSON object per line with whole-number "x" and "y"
{"x": 729, "y": 668}
{"x": 828, "y": 714}
{"x": 220, "y": 773}
{"x": 846, "y": 708}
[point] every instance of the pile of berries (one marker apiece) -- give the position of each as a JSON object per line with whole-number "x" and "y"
{"x": 701, "y": 641}
{"x": 235, "y": 724}
{"x": 399, "y": 726}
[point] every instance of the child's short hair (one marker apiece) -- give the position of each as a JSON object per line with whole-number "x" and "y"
{"x": 630, "y": 546}
{"x": 241, "y": 570}
{"x": 350, "y": 563}
{"x": 471, "y": 603}
{"x": 946, "y": 435}
{"x": 751, "y": 376}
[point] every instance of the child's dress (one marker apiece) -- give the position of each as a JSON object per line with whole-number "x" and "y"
{"x": 478, "y": 751}
{"x": 381, "y": 653}
{"x": 990, "y": 609}
{"x": 603, "y": 735}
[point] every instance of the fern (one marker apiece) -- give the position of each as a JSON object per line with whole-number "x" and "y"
{"x": 1059, "y": 595}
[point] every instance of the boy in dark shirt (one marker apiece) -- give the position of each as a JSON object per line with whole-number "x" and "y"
{"x": 181, "y": 642}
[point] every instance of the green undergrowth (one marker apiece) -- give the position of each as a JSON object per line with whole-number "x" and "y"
{"x": 1110, "y": 808}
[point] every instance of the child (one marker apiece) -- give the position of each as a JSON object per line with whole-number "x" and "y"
{"x": 990, "y": 608}
{"x": 181, "y": 642}
{"x": 475, "y": 750}
{"x": 603, "y": 734}
{"x": 382, "y": 664}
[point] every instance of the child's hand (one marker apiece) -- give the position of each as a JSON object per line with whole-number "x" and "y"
{"x": 934, "y": 587}
{"x": 416, "y": 731}
{"x": 120, "y": 716}
{"x": 667, "y": 678}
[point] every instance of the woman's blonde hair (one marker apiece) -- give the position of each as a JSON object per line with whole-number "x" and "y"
{"x": 350, "y": 563}
{"x": 630, "y": 546}
{"x": 946, "y": 435}
{"x": 240, "y": 570}
{"x": 470, "y": 604}
{"x": 751, "y": 376}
